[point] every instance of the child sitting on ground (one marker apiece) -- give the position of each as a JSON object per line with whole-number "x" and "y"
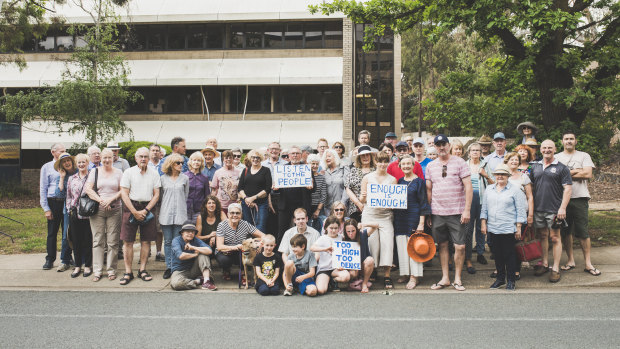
{"x": 323, "y": 246}
{"x": 267, "y": 266}
{"x": 300, "y": 268}
{"x": 352, "y": 233}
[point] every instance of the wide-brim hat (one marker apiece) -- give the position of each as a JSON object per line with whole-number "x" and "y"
{"x": 485, "y": 140}
{"x": 209, "y": 148}
{"x": 502, "y": 169}
{"x": 61, "y": 158}
{"x": 528, "y": 124}
{"x": 421, "y": 247}
{"x": 113, "y": 145}
{"x": 364, "y": 149}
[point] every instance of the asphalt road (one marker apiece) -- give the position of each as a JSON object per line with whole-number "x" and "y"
{"x": 208, "y": 319}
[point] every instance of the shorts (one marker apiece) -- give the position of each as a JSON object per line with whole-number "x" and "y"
{"x": 326, "y": 272}
{"x": 449, "y": 228}
{"x": 577, "y": 218}
{"x": 302, "y": 286}
{"x": 148, "y": 232}
{"x": 543, "y": 219}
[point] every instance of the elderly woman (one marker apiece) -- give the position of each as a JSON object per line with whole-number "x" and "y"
{"x": 431, "y": 153}
{"x": 65, "y": 165}
{"x": 382, "y": 243}
{"x": 173, "y": 211}
{"x": 363, "y": 165}
{"x": 225, "y": 181}
{"x": 334, "y": 179}
{"x": 230, "y": 235}
{"x": 209, "y": 218}
{"x": 340, "y": 150}
{"x": 79, "y": 227}
{"x": 319, "y": 195}
{"x": 103, "y": 186}
{"x": 254, "y": 187}
{"x": 526, "y": 155}
{"x": 198, "y": 185}
{"x": 410, "y": 220}
{"x": 480, "y": 178}
{"x": 237, "y": 154}
{"x": 503, "y": 213}
{"x": 527, "y": 130}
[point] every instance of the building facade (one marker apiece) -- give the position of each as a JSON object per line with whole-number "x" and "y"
{"x": 244, "y": 72}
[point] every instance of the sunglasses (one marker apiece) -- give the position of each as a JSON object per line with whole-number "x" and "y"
{"x": 178, "y": 163}
{"x": 339, "y": 209}
{"x": 255, "y": 158}
{"x": 444, "y": 171}
{"x": 285, "y": 156}
{"x": 237, "y": 156}
{"x": 338, "y": 147}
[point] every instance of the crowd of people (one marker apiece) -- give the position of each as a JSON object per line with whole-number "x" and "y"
{"x": 202, "y": 208}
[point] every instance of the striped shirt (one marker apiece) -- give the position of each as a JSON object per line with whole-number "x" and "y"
{"x": 235, "y": 236}
{"x": 320, "y": 193}
{"x": 448, "y": 195}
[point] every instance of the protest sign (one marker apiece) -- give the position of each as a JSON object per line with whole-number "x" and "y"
{"x": 292, "y": 176}
{"x": 346, "y": 255}
{"x": 386, "y": 195}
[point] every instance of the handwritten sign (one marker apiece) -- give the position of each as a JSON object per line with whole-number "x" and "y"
{"x": 346, "y": 255}
{"x": 387, "y": 195}
{"x": 292, "y": 176}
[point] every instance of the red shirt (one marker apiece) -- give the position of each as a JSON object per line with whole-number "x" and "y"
{"x": 395, "y": 171}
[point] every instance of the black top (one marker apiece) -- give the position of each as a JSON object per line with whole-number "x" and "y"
{"x": 548, "y": 185}
{"x": 268, "y": 265}
{"x": 252, "y": 184}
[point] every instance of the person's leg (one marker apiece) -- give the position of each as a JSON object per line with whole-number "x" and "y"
{"x": 459, "y": 258}
{"x": 284, "y": 222}
{"x": 225, "y": 261}
{"x": 97, "y": 225}
{"x": 544, "y": 243}
{"x": 113, "y": 230}
{"x": 511, "y": 256}
{"x": 168, "y": 231}
{"x": 566, "y": 234}
{"x": 341, "y": 275}
{"x": 369, "y": 266}
{"x": 311, "y": 290}
{"x": 557, "y": 248}
{"x": 500, "y": 256}
{"x": 180, "y": 280}
{"x": 78, "y": 256}
{"x": 374, "y": 245}
{"x": 247, "y": 213}
{"x": 458, "y": 237}
{"x": 403, "y": 256}
{"x": 52, "y": 229}
{"x": 274, "y": 290}
{"x": 261, "y": 216}
{"x": 263, "y": 289}
{"x": 65, "y": 251}
{"x": 289, "y": 272}
{"x": 145, "y": 246}
{"x": 128, "y": 256}
{"x": 386, "y": 237}
{"x": 444, "y": 255}
{"x": 322, "y": 283}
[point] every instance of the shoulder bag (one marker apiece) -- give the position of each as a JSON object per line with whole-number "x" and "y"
{"x": 529, "y": 248}
{"x": 88, "y": 207}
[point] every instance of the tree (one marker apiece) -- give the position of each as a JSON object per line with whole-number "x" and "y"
{"x": 92, "y": 93}
{"x": 569, "y": 46}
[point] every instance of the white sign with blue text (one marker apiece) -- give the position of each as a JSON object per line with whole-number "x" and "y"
{"x": 387, "y": 195}
{"x": 346, "y": 255}
{"x": 292, "y": 176}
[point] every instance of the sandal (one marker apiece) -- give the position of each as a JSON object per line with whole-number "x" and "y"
{"x": 226, "y": 275}
{"x": 567, "y": 267}
{"x": 364, "y": 289}
{"x": 127, "y": 277}
{"x": 144, "y": 275}
{"x": 96, "y": 278}
{"x": 411, "y": 284}
{"x": 111, "y": 277}
{"x": 438, "y": 286}
{"x": 388, "y": 283}
{"x": 593, "y": 271}
{"x": 458, "y": 287}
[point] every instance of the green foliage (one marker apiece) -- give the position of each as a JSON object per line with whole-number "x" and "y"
{"x": 10, "y": 190}
{"x": 128, "y": 149}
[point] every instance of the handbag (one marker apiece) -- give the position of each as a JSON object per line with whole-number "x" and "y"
{"x": 147, "y": 219}
{"x": 529, "y": 248}
{"x": 88, "y": 207}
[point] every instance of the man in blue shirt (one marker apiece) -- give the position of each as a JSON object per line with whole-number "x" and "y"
{"x": 497, "y": 157}
{"x": 178, "y": 146}
{"x": 190, "y": 264}
{"x": 210, "y": 166}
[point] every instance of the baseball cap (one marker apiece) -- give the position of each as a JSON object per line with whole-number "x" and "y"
{"x": 499, "y": 135}
{"x": 418, "y": 141}
{"x": 402, "y": 144}
{"x": 390, "y": 135}
{"x": 441, "y": 138}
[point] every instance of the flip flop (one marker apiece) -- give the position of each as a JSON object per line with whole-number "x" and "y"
{"x": 411, "y": 285}
{"x": 458, "y": 287}
{"x": 438, "y": 286}
{"x": 567, "y": 267}
{"x": 593, "y": 271}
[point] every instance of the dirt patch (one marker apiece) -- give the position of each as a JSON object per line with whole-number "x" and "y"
{"x": 604, "y": 191}
{"x": 30, "y": 201}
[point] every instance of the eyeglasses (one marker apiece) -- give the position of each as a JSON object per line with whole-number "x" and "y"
{"x": 444, "y": 171}
{"x": 233, "y": 213}
{"x": 178, "y": 163}
{"x": 254, "y": 158}
{"x": 339, "y": 209}
{"x": 237, "y": 156}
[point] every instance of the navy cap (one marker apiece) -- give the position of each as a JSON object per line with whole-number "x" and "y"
{"x": 441, "y": 138}
{"x": 401, "y": 144}
{"x": 390, "y": 135}
{"x": 499, "y": 135}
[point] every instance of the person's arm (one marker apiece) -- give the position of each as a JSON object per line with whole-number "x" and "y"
{"x": 469, "y": 194}
{"x": 185, "y": 256}
{"x": 417, "y": 169}
{"x": 370, "y": 227}
{"x": 308, "y": 275}
{"x": 199, "y": 227}
{"x": 186, "y": 187}
{"x": 214, "y": 183}
{"x": 318, "y": 248}
{"x": 530, "y": 203}
{"x": 69, "y": 194}
{"x": 206, "y": 250}
{"x": 581, "y": 173}
{"x": 484, "y": 214}
{"x": 568, "y": 188}
{"x": 364, "y": 190}
{"x": 154, "y": 200}
{"x": 128, "y": 204}
{"x": 260, "y": 275}
{"x": 43, "y": 184}
{"x": 258, "y": 234}
{"x": 520, "y": 200}
{"x": 223, "y": 247}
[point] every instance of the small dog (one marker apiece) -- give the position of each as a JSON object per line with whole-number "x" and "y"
{"x": 249, "y": 250}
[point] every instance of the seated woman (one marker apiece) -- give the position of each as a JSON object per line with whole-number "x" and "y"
{"x": 353, "y": 233}
{"x": 208, "y": 219}
{"x": 323, "y": 248}
{"x": 338, "y": 211}
{"x": 230, "y": 234}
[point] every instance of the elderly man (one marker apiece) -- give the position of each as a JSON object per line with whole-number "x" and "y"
{"x": 154, "y": 156}
{"x": 391, "y": 138}
{"x": 190, "y": 265}
{"x": 94, "y": 155}
{"x": 497, "y": 157}
{"x": 177, "y": 144}
{"x": 212, "y": 142}
{"x": 418, "y": 153}
{"x": 552, "y": 187}
{"x": 52, "y": 206}
{"x": 409, "y": 141}
{"x": 301, "y": 227}
{"x": 210, "y": 154}
{"x": 393, "y": 169}
{"x": 140, "y": 192}
{"x": 305, "y": 151}
{"x": 430, "y": 142}
{"x": 119, "y": 162}
{"x": 580, "y": 165}
{"x": 449, "y": 190}
{"x": 485, "y": 146}
{"x": 273, "y": 159}
{"x": 363, "y": 138}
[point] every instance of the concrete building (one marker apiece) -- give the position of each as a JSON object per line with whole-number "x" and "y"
{"x": 245, "y": 72}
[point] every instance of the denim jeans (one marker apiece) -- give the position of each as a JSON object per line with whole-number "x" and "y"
{"x": 256, "y": 216}
{"x": 317, "y": 223}
{"x": 170, "y": 232}
{"x": 474, "y": 222}
{"x": 65, "y": 250}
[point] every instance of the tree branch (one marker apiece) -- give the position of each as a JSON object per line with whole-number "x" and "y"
{"x": 580, "y": 5}
{"x": 513, "y": 45}
{"x": 41, "y": 6}
{"x": 609, "y": 34}
{"x": 593, "y": 23}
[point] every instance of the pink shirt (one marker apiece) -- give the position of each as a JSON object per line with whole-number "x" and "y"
{"x": 226, "y": 182}
{"x": 448, "y": 195}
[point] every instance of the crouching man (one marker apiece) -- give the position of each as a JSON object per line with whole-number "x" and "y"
{"x": 190, "y": 265}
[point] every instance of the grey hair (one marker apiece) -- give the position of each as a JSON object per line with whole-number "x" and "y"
{"x": 142, "y": 149}
{"x": 56, "y": 145}
{"x": 92, "y": 149}
{"x": 235, "y": 205}
{"x": 313, "y": 158}
{"x": 336, "y": 157}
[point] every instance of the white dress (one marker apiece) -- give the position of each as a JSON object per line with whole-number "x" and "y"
{"x": 381, "y": 243}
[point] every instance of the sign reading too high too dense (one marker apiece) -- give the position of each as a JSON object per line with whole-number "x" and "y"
{"x": 292, "y": 176}
{"x": 387, "y": 195}
{"x": 346, "y": 255}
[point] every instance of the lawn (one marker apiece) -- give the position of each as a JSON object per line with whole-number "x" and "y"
{"x": 604, "y": 228}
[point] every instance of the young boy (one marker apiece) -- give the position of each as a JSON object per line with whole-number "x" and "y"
{"x": 323, "y": 246}
{"x": 300, "y": 268}
{"x": 267, "y": 268}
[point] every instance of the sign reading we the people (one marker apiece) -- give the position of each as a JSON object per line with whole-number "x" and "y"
{"x": 386, "y": 195}
{"x": 292, "y": 176}
{"x": 346, "y": 255}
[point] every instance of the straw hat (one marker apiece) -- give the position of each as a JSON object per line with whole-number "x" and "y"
{"x": 62, "y": 157}
{"x": 485, "y": 140}
{"x": 531, "y": 142}
{"x": 502, "y": 169}
{"x": 209, "y": 148}
{"x": 528, "y": 124}
{"x": 421, "y": 247}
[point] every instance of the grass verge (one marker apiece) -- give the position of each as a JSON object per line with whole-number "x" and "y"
{"x": 604, "y": 228}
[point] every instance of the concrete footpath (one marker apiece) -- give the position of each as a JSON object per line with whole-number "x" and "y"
{"x": 23, "y": 272}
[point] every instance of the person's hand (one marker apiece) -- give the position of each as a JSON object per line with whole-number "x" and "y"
{"x": 141, "y": 215}
{"x": 239, "y": 247}
{"x": 530, "y": 219}
{"x": 483, "y": 173}
{"x": 518, "y": 234}
{"x": 483, "y": 228}
{"x": 315, "y": 215}
{"x": 249, "y": 200}
{"x": 188, "y": 247}
{"x": 299, "y": 279}
{"x": 104, "y": 203}
{"x": 420, "y": 228}
{"x": 465, "y": 217}
{"x": 562, "y": 213}
{"x": 329, "y": 249}
{"x": 429, "y": 222}
{"x": 271, "y": 208}
{"x": 270, "y": 283}
{"x": 309, "y": 187}
{"x": 340, "y": 269}
{"x": 212, "y": 241}
{"x": 48, "y": 215}
{"x": 62, "y": 172}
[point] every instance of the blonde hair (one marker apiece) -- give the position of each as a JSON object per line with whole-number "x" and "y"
{"x": 80, "y": 156}
{"x": 198, "y": 155}
{"x": 254, "y": 152}
{"x": 510, "y": 156}
{"x": 268, "y": 238}
{"x": 170, "y": 160}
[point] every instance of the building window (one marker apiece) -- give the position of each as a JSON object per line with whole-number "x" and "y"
{"x": 196, "y": 36}
{"x": 176, "y": 37}
{"x": 274, "y": 37}
{"x": 333, "y": 34}
{"x": 157, "y": 38}
{"x": 253, "y": 36}
{"x": 313, "y": 34}
{"x": 236, "y": 36}
{"x": 215, "y": 36}
{"x": 294, "y": 36}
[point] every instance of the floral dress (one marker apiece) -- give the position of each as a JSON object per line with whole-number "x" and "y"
{"x": 354, "y": 181}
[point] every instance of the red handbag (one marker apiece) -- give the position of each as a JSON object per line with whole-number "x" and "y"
{"x": 529, "y": 248}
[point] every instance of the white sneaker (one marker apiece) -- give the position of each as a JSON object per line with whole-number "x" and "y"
{"x": 62, "y": 267}
{"x": 287, "y": 293}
